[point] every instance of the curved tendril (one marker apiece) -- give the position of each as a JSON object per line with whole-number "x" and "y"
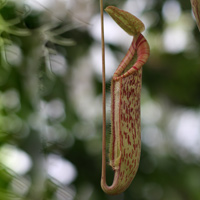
{"x": 103, "y": 173}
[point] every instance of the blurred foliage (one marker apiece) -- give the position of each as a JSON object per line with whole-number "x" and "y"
{"x": 50, "y": 104}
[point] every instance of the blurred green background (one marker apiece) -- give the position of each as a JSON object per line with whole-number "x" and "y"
{"x": 50, "y": 99}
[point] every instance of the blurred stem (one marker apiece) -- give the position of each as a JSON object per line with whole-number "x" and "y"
{"x": 38, "y": 175}
{"x": 32, "y": 145}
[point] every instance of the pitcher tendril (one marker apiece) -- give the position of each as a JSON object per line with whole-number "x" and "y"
{"x": 125, "y": 141}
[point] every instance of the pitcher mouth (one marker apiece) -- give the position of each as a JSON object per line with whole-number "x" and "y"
{"x": 139, "y": 51}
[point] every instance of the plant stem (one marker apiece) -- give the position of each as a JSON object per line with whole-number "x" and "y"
{"x": 103, "y": 175}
